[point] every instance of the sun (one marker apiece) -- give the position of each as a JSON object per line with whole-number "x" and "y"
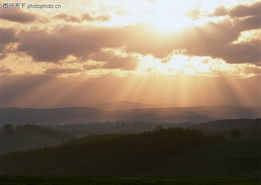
{"x": 169, "y": 16}
{"x": 162, "y": 15}
{"x": 168, "y": 23}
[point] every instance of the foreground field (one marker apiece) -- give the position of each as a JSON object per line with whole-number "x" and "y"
{"x": 58, "y": 180}
{"x": 241, "y": 158}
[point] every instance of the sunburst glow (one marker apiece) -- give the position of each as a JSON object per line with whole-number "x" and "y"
{"x": 130, "y": 48}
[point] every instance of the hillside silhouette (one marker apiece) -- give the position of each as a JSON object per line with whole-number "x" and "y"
{"x": 210, "y": 151}
{"x": 25, "y": 137}
{"x": 107, "y": 154}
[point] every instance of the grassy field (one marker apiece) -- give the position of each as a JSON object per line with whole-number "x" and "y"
{"x": 55, "y": 180}
{"x": 228, "y": 159}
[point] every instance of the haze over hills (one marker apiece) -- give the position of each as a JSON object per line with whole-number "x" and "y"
{"x": 48, "y": 116}
{"x": 121, "y": 105}
{"x": 83, "y": 115}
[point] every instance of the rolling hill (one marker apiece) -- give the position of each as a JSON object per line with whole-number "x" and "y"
{"x": 238, "y": 158}
{"x": 177, "y": 152}
{"x": 106, "y": 154}
{"x": 30, "y": 137}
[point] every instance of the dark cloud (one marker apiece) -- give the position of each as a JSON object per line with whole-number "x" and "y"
{"x": 248, "y": 23}
{"x": 68, "y": 18}
{"x": 83, "y": 42}
{"x": 113, "y": 61}
{"x": 56, "y": 71}
{"x": 16, "y": 15}
{"x": 216, "y": 40}
{"x": 246, "y": 10}
{"x": 244, "y": 17}
{"x": 84, "y": 17}
{"x": 220, "y": 11}
{"x": 100, "y": 18}
{"x": 7, "y": 36}
{"x": 123, "y": 63}
{"x": 239, "y": 11}
{"x": 91, "y": 67}
{"x": 77, "y": 41}
{"x": 248, "y": 52}
{"x": 211, "y": 39}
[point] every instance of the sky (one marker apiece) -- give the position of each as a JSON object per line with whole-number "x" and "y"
{"x": 157, "y": 52}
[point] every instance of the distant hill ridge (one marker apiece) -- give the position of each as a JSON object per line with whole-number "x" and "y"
{"x": 74, "y": 115}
